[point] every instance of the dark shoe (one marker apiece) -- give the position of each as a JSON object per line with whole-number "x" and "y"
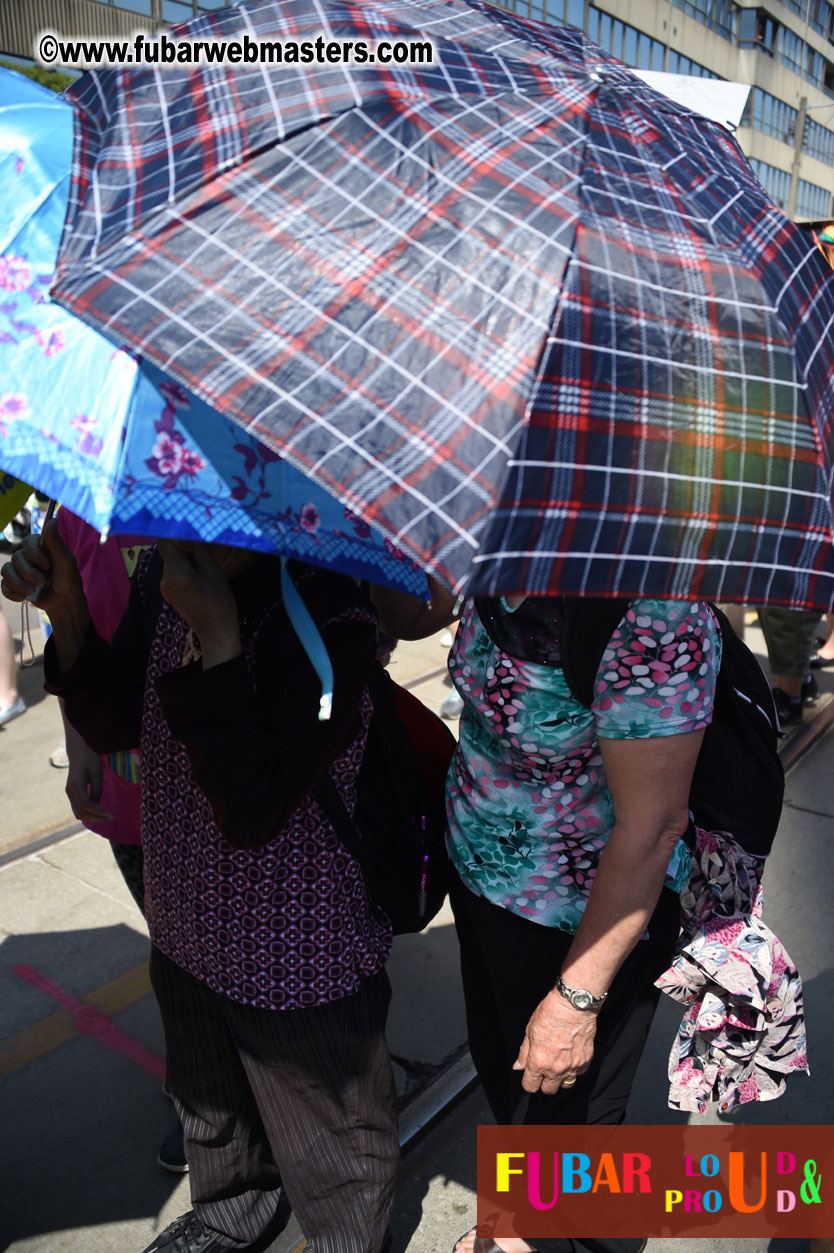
{"x": 820, "y": 663}
{"x": 810, "y": 690}
{"x": 788, "y": 708}
{"x": 187, "y": 1234}
{"x": 172, "y": 1152}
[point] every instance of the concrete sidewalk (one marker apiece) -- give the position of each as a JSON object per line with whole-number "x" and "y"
{"x": 82, "y": 1110}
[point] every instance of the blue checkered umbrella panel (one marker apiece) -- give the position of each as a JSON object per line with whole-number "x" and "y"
{"x": 539, "y": 323}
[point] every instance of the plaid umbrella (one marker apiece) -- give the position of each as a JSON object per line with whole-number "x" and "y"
{"x": 535, "y": 320}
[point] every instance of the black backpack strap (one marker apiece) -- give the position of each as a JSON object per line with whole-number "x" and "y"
{"x": 329, "y": 800}
{"x": 587, "y": 626}
{"x": 392, "y": 742}
{"x": 149, "y": 582}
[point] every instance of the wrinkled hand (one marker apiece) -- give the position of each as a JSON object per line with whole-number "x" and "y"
{"x": 195, "y": 586}
{"x": 557, "y": 1046}
{"x": 44, "y": 565}
{"x": 84, "y": 782}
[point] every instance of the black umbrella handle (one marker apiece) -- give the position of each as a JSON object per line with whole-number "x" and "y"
{"x": 42, "y": 591}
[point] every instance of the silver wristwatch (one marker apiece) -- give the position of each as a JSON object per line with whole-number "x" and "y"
{"x": 580, "y": 998}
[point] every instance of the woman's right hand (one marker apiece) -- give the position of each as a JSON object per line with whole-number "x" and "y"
{"x": 45, "y": 567}
{"x": 84, "y": 778}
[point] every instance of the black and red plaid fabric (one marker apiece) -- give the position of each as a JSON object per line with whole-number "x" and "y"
{"x": 536, "y": 321}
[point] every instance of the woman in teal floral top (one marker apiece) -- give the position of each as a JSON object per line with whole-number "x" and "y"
{"x": 529, "y": 807}
{"x": 565, "y": 830}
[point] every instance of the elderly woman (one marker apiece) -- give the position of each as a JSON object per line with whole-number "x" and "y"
{"x": 267, "y": 952}
{"x": 566, "y": 828}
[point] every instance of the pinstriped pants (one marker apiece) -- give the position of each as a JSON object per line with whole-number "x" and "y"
{"x": 301, "y": 1099}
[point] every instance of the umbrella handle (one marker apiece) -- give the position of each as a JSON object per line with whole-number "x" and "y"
{"x": 312, "y": 643}
{"x": 41, "y": 591}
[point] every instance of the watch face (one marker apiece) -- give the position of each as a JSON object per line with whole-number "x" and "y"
{"x": 582, "y": 999}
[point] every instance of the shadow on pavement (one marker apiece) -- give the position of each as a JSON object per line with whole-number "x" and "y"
{"x": 83, "y": 1110}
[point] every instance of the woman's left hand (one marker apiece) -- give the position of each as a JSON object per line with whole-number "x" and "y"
{"x": 558, "y": 1045}
{"x": 194, "y": 584}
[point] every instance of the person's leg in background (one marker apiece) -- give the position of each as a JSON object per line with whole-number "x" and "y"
{"x": 824, "y": 655}
{"x": 12, "y": 703}
{"x": 789, "y": 636}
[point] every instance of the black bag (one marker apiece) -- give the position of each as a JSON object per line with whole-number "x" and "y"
{"x": 398, "y": 834}
{"x": 739, "y": 783}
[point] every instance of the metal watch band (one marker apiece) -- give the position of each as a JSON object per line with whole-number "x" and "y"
{"x": 580, "y": 998}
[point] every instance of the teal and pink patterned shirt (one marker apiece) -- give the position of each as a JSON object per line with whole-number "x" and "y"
{"x": 529, "y": 809}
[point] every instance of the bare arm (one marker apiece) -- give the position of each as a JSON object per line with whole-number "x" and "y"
{"x": 407, "y": 618}
{"x": 84, "y": 777}
{"x": 649, "y": 781}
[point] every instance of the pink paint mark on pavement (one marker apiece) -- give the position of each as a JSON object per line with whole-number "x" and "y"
{"x": 92, "y": 1021}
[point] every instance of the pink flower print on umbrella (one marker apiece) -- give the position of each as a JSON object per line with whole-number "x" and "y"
{"x": 89, "y": 442}
{"x": 175, "y": 395}
{"x": 360, "y": 528}
{"x": 12, "y": 405}
{"x": 15, "y": 274}
{"x": 51, "y": 342}
{"x": 191, "y": 463}
{"x": 396, "y": 553}
{"x": 171, "y": 460}
{"x": 309, "y": 519}
{"x": 166, "y": 455}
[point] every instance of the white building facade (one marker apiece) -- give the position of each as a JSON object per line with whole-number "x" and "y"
{"x": 785, "y": 51}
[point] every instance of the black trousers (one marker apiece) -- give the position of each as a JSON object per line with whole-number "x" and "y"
{"x": 299, "y": 1099}
{"x": 508, "y": 965}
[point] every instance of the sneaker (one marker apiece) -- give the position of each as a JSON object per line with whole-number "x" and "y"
{"x": 14, "y": 710}
{"x": 452, "y": 706}
{"x": 59, "y": 758}
{"x": 187, "y": 1234}
{"x": 810, "y": 690}
{"x": 788, "y": 708}
{"x": 171, "y": 1155}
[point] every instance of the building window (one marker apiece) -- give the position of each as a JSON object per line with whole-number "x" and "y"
{"x": 718, "y": 15}
{"x": 791, "y": 50}
{"x": 813, "y": 201}
{"x": 756, "y": 29}
{"x": 822, "y": 18}
{"x": 679, "y": 64}
{"x": 177, "y": 10}
{"x": 777, "y": 183}
{"x": 770, "y": 115}
{"x": 575, "y": 14}
{"x": 628, "y": 44}
{"x": 818, "y": 141}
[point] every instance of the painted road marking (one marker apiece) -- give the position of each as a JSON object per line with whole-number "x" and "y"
{"x": 90, "y": 1016}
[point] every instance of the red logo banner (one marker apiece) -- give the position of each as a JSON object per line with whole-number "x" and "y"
{"x": 604, "y": 1182}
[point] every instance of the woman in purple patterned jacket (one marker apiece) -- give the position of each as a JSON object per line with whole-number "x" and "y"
{"x": 267, "y": 954}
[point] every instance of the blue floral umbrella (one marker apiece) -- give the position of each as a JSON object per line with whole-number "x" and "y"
{"x": 108, "y": 434}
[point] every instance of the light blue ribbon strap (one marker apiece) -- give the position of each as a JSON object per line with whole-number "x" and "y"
{"x": 312, "y": 643}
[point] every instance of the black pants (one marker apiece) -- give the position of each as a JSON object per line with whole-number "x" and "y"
{"x": 301, "y": 1099}
{"x": 508, "y": 966}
